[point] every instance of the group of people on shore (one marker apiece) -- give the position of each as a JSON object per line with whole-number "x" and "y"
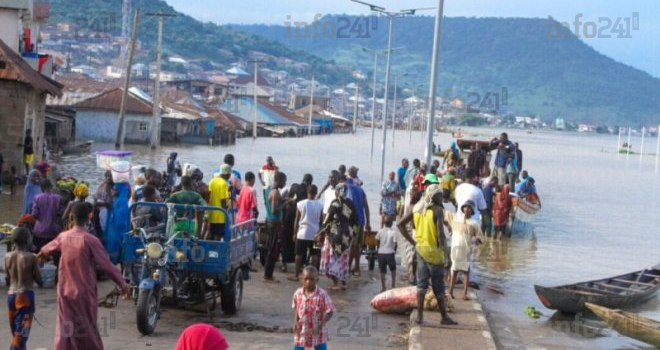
{"x": 321, "y": 231}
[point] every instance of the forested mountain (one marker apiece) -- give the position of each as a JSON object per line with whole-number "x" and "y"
{"x": 548, "y": 76}
{"x": 544, "y": 74}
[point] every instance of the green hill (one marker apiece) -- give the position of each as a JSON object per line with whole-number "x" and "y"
{"x": 188, "y": 37}
{"x": 552, "y": 77}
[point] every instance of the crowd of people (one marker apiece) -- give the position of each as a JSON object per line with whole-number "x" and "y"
{"x": 320, "y": 231}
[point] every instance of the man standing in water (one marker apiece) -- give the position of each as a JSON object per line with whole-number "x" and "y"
{"x": 429, "y": 243}
{"x": 77, "y": 300}
{"x": 505, "y": 151}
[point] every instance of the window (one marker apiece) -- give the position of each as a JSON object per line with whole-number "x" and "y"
{"x": 142, "y": 127}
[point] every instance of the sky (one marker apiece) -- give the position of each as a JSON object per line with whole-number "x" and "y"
{"x": 641, "y": 50}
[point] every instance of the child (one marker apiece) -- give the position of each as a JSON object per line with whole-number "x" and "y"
{"x": 386, "y": 242}
{"x": 23, "y": 270}
{"x": 463, "y": 228}
{"x": 14, "y": 180}
{"x": 247, "y": 200}
{"x": 313, "y": 309}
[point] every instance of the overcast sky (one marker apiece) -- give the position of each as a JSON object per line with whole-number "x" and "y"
{"x": 641, "y": 51}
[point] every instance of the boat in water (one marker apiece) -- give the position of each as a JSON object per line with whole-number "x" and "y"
{"x": 524, "y": 210}
{"x": 629, "y": 324}
{"x": 616, "y": 292}
{"x": 79, "y": 148}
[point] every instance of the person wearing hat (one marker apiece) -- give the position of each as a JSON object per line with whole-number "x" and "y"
{"x": 218, "y": 197}
{"x": 427, "y": 218}
{"x": 463, "y": 228}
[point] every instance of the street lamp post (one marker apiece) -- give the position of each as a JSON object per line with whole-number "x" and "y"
{"x": 391, "y": 16}
{"x": 396, "y": 78}
{"x": 435, "y": 58}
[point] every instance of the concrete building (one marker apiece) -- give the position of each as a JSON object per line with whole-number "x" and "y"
{"x": 23, "y": 94}
{"x": 97, "y": 118}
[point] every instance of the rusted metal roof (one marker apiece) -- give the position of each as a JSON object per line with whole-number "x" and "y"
{"x": 111, "y": 101}
{"x": 247, "y": 79}
{"x": 13, "y": 67}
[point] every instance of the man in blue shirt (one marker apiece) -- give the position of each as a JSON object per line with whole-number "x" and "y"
{"x": 359, "y": 198}
{"x": 401, "y": 174}
{"x": 505, "y": 151}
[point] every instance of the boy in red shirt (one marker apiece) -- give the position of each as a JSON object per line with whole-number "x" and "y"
{"x": 313, "y": 309}
{"x": 247, "y": 200}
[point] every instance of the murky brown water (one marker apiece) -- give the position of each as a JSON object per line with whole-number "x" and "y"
{"x": 599, "y": 215}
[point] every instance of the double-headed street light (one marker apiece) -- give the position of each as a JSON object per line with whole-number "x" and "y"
{"x": 391, "y": 16}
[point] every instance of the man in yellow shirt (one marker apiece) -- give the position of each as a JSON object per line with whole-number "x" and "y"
{"x": 427, "y": 217}
{"x": 219, "y": 197}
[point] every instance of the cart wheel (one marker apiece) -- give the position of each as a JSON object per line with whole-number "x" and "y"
{"x": 372, "y": 262}
{"x": 147, "y": 311}
{"x": 232, "y": 294}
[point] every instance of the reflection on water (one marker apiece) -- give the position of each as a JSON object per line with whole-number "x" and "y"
{"x": 598, "y": 217}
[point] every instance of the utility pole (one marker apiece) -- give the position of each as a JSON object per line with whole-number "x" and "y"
{"x": 396, "y": 77}
{"x": 355, "y": 108}
{"x": 311, "y": 105}
{"x": 435, "y": 60}
{"x": 254, "y": 93}
{"x": 119, "y": 138}
{"x": 155, "y": 118}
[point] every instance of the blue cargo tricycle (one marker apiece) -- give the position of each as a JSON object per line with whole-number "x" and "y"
{"x": 177, "y": 267}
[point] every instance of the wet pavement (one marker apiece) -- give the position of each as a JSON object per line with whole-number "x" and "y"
{"x": 264, "y": 320}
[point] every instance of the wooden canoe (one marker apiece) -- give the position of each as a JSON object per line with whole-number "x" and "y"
{"x": 629, "y": 324}
{"x": 80, "y": 148}
{"x": 616, "y": 292}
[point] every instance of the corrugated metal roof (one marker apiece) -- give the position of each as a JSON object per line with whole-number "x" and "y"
{"x": 244, "y": 108}
{"x": 284, "y": 112}
{"x": 111, "y": 101}
{"x": 13, "y": 67}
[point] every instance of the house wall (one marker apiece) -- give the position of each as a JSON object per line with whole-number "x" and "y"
{"x": 99, "y": 125}
{"x": 20, "y": 108}
{"x": 9, "y": 27}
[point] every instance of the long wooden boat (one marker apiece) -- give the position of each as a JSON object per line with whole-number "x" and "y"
{"x": 616, "y": 292}
{"x": 84, "y": 147}
{"x": 629, "y": 324}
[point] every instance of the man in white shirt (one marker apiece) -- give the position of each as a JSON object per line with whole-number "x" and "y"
{"x": 469, "y": 190}
{"x": 307, "y": 225}
{"x": 329, "y": 194}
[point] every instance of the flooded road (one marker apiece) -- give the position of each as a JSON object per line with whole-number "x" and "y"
{"x": 599, "y": 215}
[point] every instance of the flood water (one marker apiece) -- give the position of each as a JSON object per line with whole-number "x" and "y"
{"x": 599, "y": 215}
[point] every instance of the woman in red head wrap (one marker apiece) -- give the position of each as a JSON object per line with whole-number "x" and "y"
{"x": 201, "y": 336}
